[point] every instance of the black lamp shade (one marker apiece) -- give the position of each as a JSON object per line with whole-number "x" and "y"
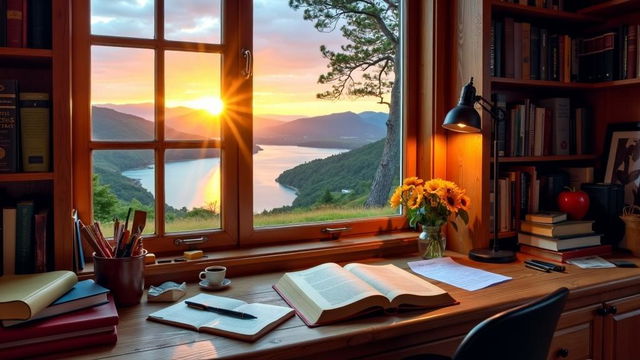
{"x": 463, "y": 118}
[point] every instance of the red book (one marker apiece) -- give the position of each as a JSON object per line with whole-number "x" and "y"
{"x": 632, "y": 49}
{"x": 73, "y": 343}
{"x": 101, "y": 316}
{"x": 16, "y": 23}
{"x": 40, "y": 237}
{"x": 563, "y": 256}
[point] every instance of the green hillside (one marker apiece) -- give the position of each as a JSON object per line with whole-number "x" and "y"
{"x": 322, "y": 180}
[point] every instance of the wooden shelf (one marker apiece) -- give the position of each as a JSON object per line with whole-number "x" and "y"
{"x": 541, "y": 13}
{"x": 25, "y": 53}
{"x": 518, "y": 159}
{"x": 509, "y": 82}
{"x": 504, "y": 234}
{"x": 615, "y": 83}
{"x": 41, "y": 176}
{"x": 612, "y": 7}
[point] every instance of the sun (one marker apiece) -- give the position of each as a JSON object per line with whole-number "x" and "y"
{"x": 211, "y": 104}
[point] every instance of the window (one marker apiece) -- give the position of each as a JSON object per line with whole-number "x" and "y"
{"x": 239, "y": 122}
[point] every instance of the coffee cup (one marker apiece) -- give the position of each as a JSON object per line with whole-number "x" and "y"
{"x": 213, "y": 274}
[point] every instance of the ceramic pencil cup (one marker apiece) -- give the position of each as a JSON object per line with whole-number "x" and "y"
{"x": 123, "y": 276}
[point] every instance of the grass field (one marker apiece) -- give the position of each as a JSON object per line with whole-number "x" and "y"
{"x": 296, "y": 216}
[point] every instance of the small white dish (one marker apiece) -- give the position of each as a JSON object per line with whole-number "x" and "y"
{"x": 205, "y": 285}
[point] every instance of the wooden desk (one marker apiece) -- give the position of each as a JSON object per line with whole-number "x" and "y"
{"x": 395, "y": 336}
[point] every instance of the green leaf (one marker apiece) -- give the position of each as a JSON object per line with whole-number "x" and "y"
{"x": 455, "y": 226}
{"x": 464, "y": 216}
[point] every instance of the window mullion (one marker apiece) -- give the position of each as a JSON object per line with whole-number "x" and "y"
{"x": 159, "y": 123}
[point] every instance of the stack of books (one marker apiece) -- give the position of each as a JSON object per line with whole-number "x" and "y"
{"x": 50, "y": 312}
{"x": 550, "y": 235}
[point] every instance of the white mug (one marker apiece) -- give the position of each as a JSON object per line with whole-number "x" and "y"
{"x": 213, "y": 274}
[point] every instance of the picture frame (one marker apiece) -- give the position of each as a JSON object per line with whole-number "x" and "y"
{"x": 622, "y": 161}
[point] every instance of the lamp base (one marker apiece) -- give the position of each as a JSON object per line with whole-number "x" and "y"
{"x": 491, "y": 256}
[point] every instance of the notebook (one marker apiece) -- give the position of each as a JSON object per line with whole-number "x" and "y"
{"x": 267, "y": 317}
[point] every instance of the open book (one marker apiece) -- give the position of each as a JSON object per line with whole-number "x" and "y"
{"x": 267, "y": 317}
{"x": 328, "y": 293}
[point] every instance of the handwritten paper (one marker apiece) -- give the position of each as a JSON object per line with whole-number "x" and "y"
{"x": 450, "y": 272}
{"x": 591, "y": 262}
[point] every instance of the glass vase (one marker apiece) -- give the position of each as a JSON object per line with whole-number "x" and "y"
{"x": 431, "y": 242}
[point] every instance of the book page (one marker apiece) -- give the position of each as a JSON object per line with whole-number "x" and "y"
{"x": 266, "y": 314}
{"x": 181, "y": 313}
{"x": 330, "y": 286}
{"x": 392, "y": 281}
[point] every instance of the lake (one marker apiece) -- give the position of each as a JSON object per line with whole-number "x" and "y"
{"x": 195, "y": 183}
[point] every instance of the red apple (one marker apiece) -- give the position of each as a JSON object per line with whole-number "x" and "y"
{"x": 574, "y": 202}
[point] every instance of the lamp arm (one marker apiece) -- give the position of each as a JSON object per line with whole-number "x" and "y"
{"x": 489, "y": 107}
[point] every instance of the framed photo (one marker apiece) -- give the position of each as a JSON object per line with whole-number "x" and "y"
{"x": 622, "y": 147}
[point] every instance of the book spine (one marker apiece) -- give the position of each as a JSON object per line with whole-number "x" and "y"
{"x": 575, "y": 63}
{"x": 492, "y": 50}
{"x": 567, "y": 58}
{"x": 517, "y": 50}
{"x": 3, "y": 23}
{"x": 632, "y": 49}
{"x": 607, "y": 56}
{"x": 553, "y": 58}
{"x": 561, "y": 51}
{"x": 547, "y": 145}
{"x": 8, "y": 241}
{"x": 535, "y": 53}
{"x": 35, "y": 131}
{"x": 526, "y": 51}
{"x": 509, "y": 58}
{"x": 15, "y": 19}
{"x": 501, "y": 103}
{"x": 39, "y": 23}
{"x": 40, "y": 241}
{"x": 544, "y": 45}
{"x": 8, "y": 126}
{"x": 499, "y": 48}
{"x": 24, "y": 245}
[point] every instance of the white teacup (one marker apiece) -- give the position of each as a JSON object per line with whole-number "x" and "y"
{"x": 213, "y": 274}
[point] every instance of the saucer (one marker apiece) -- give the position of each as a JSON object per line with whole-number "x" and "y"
{"x": 205, "y": 285}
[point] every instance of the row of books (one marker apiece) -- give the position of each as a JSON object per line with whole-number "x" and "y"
{"x": 25, "y": 23}
{"x": 564, "y": 5}
{"x": 550, "y": 127}
{"x": 50, "y": 312}
{"x": 524, "y": 190}
{"x": 25, "y": 136}
{"x": 550, "y": 235}
{"x": 24, "y": 238}
{"x": 521, "y": 50}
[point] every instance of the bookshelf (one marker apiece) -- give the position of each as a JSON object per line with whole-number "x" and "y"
{"x": 47, "y": 70}
{"x": 469, "y": 157}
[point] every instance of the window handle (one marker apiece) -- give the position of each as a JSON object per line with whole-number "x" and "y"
{"x": 334, "y": 233}
{"x": 247, "y": 72}
{"x": 193, "y": 241}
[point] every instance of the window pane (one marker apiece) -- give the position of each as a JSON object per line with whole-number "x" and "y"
{"x": 192, "y": 95}
{"x": 192, "y": 20}
{"x": 322, "y": 127}
{"x": 122, "y": 94}
{"x": 123, "y": 179}
{"x": 192, "y": 189}
{"x": 130, "y": 18}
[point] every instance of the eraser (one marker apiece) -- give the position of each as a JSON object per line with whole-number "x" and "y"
{"x": 193, "y": 254}
{"x": 150, "y": 258}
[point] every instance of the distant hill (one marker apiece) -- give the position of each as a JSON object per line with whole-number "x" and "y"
{"x": 352, "y": 170}
{"x": 375, "y": 118}
{"x": 346, "y": 127}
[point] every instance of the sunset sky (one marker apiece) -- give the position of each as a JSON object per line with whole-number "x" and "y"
{"x": 286, "y": 52}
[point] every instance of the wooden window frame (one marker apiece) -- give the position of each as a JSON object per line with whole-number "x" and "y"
{"x": 237, "y": 137}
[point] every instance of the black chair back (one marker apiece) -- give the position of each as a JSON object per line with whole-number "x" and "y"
{"x": 522, "y": 333}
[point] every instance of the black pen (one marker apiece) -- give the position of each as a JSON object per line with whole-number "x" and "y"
{"x": 554, "y": 267}
{"x": 232, "y": 313}
{"x": 533, "y": 263}
{"x": 536, "y": 267}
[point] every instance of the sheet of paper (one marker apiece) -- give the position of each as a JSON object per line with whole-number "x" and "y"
{"x": 450, "y": 272}
{"x": 591, "y": 262}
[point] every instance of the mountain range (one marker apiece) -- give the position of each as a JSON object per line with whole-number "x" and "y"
{"x": 338, "y": 130}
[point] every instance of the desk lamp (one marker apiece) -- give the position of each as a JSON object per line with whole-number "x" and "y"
{"x": 465, "y": 119}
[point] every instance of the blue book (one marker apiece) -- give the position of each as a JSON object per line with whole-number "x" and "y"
{"x": 84, "y": 294}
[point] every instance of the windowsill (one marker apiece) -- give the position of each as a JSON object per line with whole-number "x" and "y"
{"x": 280, "y": 257}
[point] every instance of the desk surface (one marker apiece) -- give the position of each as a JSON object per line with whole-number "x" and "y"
{"x": 139, "y": 338}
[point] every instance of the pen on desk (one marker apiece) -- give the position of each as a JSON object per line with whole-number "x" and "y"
{"x": 536, "y": 267}
{"x": 554, "y": 267}
{"x": 232, "y": 313}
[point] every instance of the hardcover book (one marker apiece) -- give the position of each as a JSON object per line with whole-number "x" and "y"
{"x": 39, "y": 24}
{"x": 16, "y": 21}
{"x": 24, "y": 296}
{"x": 35, "y": 131}
{"x": 8, "y": 241}
{"x": 564, "y": 228}
{"x": 25, "y": 250}
{"x": 547, "y": 217}
{"x": 84, "y": 294}
{"x": 8, "y": 126}
{"x": 328, "y": 293}
{"x": 267, "y": 317}
{"x": 559, "y": 243}
{"x": 563, "y": 256}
